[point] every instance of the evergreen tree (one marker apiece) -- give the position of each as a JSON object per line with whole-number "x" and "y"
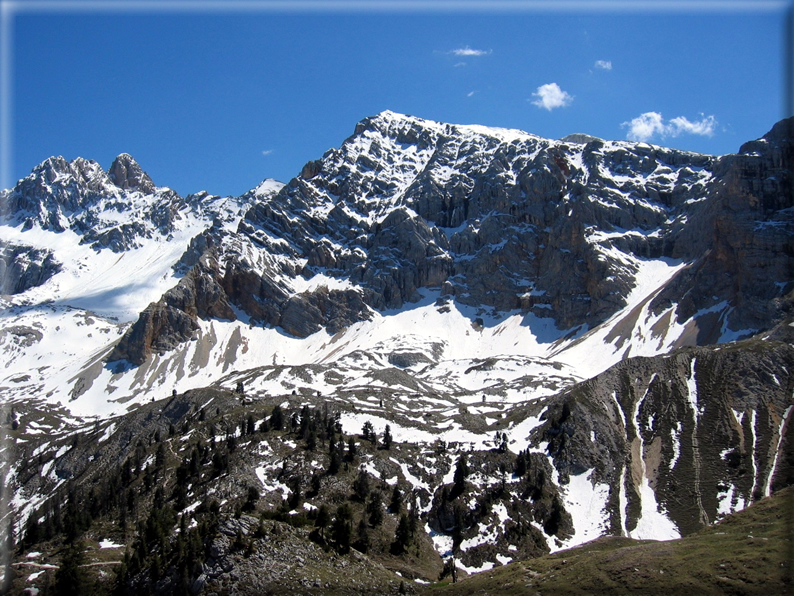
{"x": 180, "y": 497}
{"x": 193, "y": 466}
{"x": 304, "y": 421}
{"x": 413, "y": 516}
{"x": 375, "y": 510}
{"x": 367, "y": 431}
{"x": 126, "y": 473}
{"x": 33, "y": 531}
{"x": 335, "y": 462}
{"x": 311, "y": 439}
{"x": 338, "y": 422}
{"x": 363, "y": 541}
{"x": 520, "y": 466}
{"x": 295, "y": 496}
{"x": 461, "y": 472}
{"x": 323, "y": 519}
{"x": 361, "y": 486}
{"x": 250, "y": 426}
{"x": 277, "y": 418}
{"x": 387, "y": 438}
{"x": 251, "y": 498}
{"x": 71, "y": 578}
{"x": 552, "y": 525}
{"x": 457, "y": 530}
{"x": 220, "y": 461}
{"x": 159, "y": 458}
{"x": 315, "y": 484}
{"x": 264, "y": 426}
{"x": 402, "y": 536}
{"x": 396, "y": 503}
{"x": 342, "y": 528}
{"x": 502, "y": 448}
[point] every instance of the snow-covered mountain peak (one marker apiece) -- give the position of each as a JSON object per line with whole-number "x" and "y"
{"x": 58, "y": 171}
{"x": 580, "y": 138}
{"x": 127, "y": 174}
{"x": 267, "y": 188}
{"x": 406, "y": 130}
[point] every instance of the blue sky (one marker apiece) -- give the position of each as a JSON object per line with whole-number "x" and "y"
{"x": 220, "y": 99}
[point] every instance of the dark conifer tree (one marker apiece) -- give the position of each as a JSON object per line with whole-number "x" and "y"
{"x": 323, "y": 519}
{"x": 461, "y": 472}
{"x": 363, "y": 542}
{"x": 311, "y": 439}
{"x": 366, "y": 431}
{"x": 387, "y": 438}
{"x": 295, "y": 496}
{"x": 361, "y": 486}
{"x": 159, "y": 458}
{"x": 264, "y": 426}
{"x": 277, "y": 418}
{"x": 520, "y": 466}
{"x": 457, "y": 530}
{"x": 304, "y": 421}
{"x": 396, "y": 503}
{"x": 315, "y": 484}
{"x": 251, "y": 499}
{"x": 402, "y": 536}
{"x": 71, "y": 578}
{"x": 335, "y": 461}
{"x": 342, "y": 528}
{"x": 375, "y": 509}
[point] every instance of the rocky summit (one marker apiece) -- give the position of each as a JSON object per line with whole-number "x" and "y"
{"x": 437, "y": 350}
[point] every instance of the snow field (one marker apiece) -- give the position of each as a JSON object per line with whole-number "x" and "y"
{"x": 586, "y": 502}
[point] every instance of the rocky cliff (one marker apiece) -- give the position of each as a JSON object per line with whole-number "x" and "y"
{"x": 505, "y": 220}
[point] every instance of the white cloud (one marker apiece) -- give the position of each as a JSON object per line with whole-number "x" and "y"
{"x": 460, "y": 64}
{"x": 467, "y": 51}
{"x": 645, "y": 126}
{"x": 704, "y": 127}
{"x": 550, "y": 96}
{"x": 267, "y": 152}
{"x": 604, "y": 64}
{"x": 470, "y": 93}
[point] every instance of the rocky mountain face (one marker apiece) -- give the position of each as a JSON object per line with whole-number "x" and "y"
{"x": 506, "y": 220}
{"x": 79, "y": 195}
{"x": 118, "y": 210}
{"x": 704, "y": 429}
{"x": 561, "y": 339}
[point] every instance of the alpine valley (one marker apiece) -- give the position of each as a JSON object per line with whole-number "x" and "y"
{"x": 439, "y": 349}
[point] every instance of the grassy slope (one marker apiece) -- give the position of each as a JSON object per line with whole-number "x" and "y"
{"x": 751, "y": 552}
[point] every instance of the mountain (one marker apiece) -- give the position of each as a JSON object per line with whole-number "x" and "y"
{"x": 505, "y": 220}
{"x": 566, "y": 339}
